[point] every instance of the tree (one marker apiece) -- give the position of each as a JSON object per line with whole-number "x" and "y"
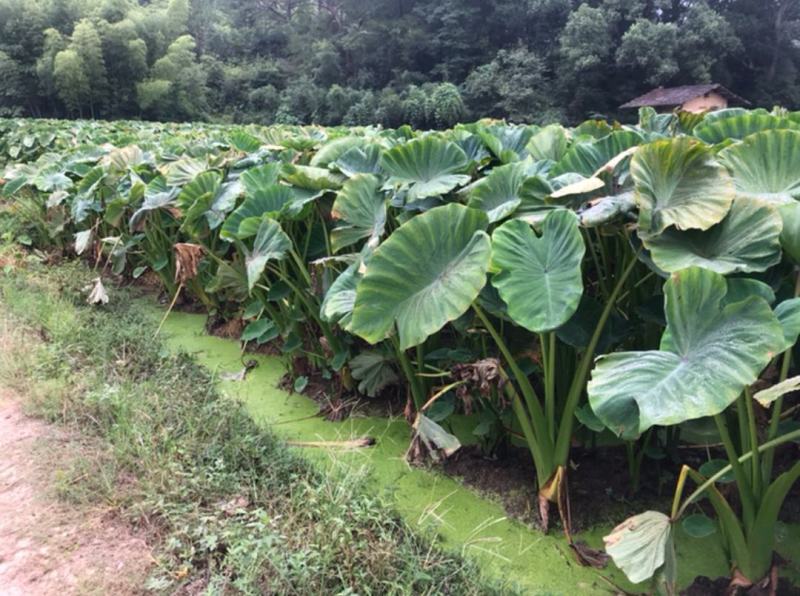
{"x": 586, "y": 42}
{"x": 416, "y": 108}
{"x": 54, "y": 42}
{"x": 529, "y": 61}
{"x": 125, "y": 53}
{"x": 327, "y": 68}
{"x": 85, "y": 42}
{"x": 389, "y": 111}
{"x": 448, "y": 107}
{"x": 115, "y": 10}
{"x": 706, "y": 40}
{"x": 11, "y": 91}
{"x": 338, "y": 101}
{"x": 513, "y": 85}
{"x": 176, "y": 19}
{"x": 362, "y": 112}
{"x": 650, "y": 49}
{"x": 71, "y": 80}
{"x": 176, "y": 87}
{"x": 586, "y": 47}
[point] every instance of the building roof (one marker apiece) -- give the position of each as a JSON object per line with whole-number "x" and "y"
{"x": 677, "y": 96}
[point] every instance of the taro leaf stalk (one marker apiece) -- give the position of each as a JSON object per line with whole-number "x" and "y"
{"x": 643, "y": 545}
{"x": 539, "y": 278}
{"x": 720, "y": 335}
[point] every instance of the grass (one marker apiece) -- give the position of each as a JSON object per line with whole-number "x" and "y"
{"x": 229, "y": 508}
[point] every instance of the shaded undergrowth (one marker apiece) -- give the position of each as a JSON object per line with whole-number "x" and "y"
{"x": 229, "y": 508}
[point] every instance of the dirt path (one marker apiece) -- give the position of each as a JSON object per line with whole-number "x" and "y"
{"x": 48, "y": 547}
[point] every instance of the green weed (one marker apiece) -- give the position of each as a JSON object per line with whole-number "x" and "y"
{"x": 229, "y": 507}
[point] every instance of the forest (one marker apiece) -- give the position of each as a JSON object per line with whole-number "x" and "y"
{"x": 428, "y": 63}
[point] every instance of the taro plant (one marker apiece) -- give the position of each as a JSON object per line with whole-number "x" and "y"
{"x": 540, "y": 281}
{"x": 720, "y": 336}
{"x": 488, "y": 265}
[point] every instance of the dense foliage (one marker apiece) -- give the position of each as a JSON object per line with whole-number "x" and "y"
{"x": 428, "y": 63}
{"x": 550, "y": 282}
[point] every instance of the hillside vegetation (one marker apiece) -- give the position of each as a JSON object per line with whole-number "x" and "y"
{"x": 428, "y": 63}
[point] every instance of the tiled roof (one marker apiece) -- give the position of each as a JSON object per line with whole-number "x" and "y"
{"x": 676, "y": 96}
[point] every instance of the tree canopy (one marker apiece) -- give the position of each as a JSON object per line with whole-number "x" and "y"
{"x": 424, "y": 62}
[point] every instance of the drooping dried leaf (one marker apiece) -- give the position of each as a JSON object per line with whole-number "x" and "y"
{"x": 82, "y": 240}
{"x": 187, "y": 259}
{"x": 431, "y": 439}
{"x": 480, "y": 376}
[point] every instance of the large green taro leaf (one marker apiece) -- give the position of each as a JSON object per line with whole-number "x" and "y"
{"x": 766, "y": 165}
{"x": 196, "y": 197}
{"x": 271, "y": 244}
{"x": 790, "y": 234}
{"x": 604, "y": 210}
{"x": 679, "y": 183}
{"x": 549, "y": 143}
{"x": 260, "y": 178}
{"x": 333, "y": 150}
{"x": 507, "y": 142}
{"x": 539, "y": 277}
{"x": 588, "y": 157}
{"x": 709, "y": 353}
{"x": 746, "y": 240}
{"x": 716, "y": 130}
{"x": 245, "y": 219}
{"x": 312, "y": 180}
{"x": 359, "y": 160}
{"x": 788, "y": 313}
{"x": 337, "y": 307}
{"x": 427, "y": 167}
{"x": 425, "y": 274}
{"x": 361, "y": 208}
{"x": 498, "y": 193}
{"x": 183, "y": 171}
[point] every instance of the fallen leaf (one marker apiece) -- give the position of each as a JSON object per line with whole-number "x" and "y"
{"x": 98, "y": 294}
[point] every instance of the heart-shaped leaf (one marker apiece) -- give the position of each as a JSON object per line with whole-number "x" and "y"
{"x": 426, "y": 167}
{"x": 746, "y": 240}
{"x": 698, "y": 525}
{"x": 549, "y": 143}
{"x": 766, "y": 165}
{"x": 271, "y": 244}
{"x": 717, "y": 128}
{"x": 539, "y": 277}
{"x": 337, "y": 307}
{"x": 588, "y": 157}
{"x": 243, "y": 223}
{"x": 788, "y": 313}
{"x": 709, "y": 353}
{"x": 425, "y": 274}
{"x": 498, "y": 193}
{"x": 361, "y": 208}
{"x": 679, "y": 183}
{"x": 360, "y": 160}
{"x": 260, "y": 178}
